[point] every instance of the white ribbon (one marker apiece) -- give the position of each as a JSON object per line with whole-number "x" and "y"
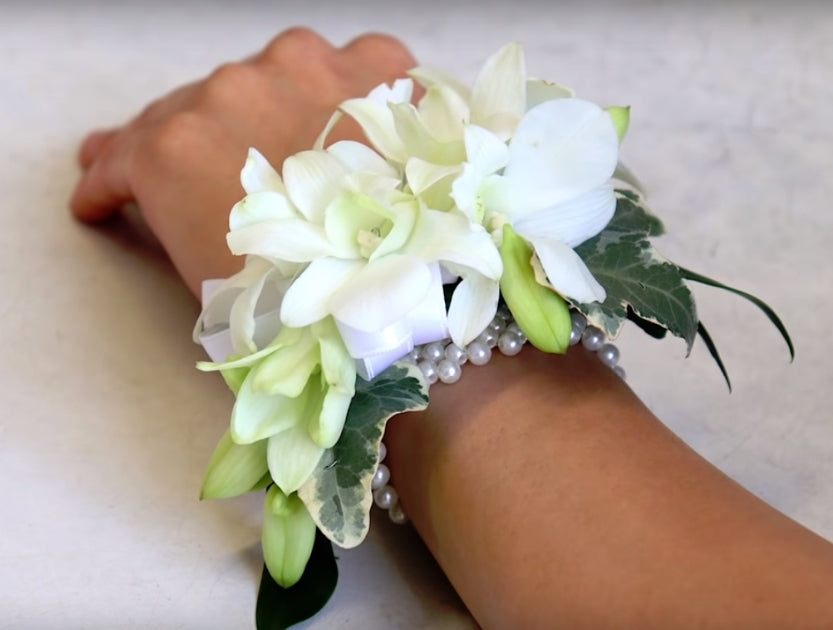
{"x": 374, "y": 351}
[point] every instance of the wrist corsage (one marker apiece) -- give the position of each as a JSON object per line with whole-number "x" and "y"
{"x": 476, "y": 219}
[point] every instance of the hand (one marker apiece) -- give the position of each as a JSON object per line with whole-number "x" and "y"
{"x": 181, "y": 157}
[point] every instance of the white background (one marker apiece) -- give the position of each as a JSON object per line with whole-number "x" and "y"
{"x": 106, "y": 426}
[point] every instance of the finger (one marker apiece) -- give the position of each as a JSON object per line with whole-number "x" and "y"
{"x": 381, "y": 57}
{"x": 101, "y": 192}
{"x": 93, "y": 145}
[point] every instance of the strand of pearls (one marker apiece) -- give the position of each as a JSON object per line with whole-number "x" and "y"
{"x": 443, "y": 361}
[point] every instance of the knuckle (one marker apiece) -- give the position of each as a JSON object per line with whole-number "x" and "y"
{"x": 297, "y": 41}
{"x": 168, "y": 140}
{"x": 387, "y": 51}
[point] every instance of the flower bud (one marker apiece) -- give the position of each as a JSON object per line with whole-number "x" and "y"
{"x": 234, "y": 469}
{"x": 541, "y": 313}
{"x": 621, "y": 117}
{"x": 288, "y": 536}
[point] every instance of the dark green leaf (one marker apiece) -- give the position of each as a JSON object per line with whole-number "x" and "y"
{"x": 707, "y": 339}
{"x": 771, "y": 315}
{"x": 635, "y": 276}
{"x": 279, "y": 608}
{"x": 338, "y": 493}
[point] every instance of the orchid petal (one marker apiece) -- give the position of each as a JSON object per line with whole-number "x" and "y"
{"x": 418, "y": 139}
{"x": 308, "y": 299}
{"x": 292, "y": 240}
{"x": 256, "y": 415}
{"x": 443, "y": 111}
{"x": 381, "y": 292}
{"x": 358, "y": 157}
{"x": 313, "y": 179}
{"x": 567, "y": 272}
{"x": 571, "y": 222}
{"x": 451, "y": 237}
{"x": 241, "y": 316}
{"x": 401, "y": 91}
{"x": 326, "y": 428}
{"x": 428, "y": 77}
{"x": 560, "y": 149}
{"x": 286, "y": 371}
{"x": 292, "y": 457}
{"x": 376, "y": 120}
{"x": 216, "y": 308}
{"x": 473, "y": 306}
{"x": 258, "y": 174}
{"x": 422, "y": 175}
{"x": 404, "y": 219}
{"x": 257, "y": 207}
{"x": 539, "y": 91}
{"x": 498, "y": 99}
{"x": 486, "y": 154}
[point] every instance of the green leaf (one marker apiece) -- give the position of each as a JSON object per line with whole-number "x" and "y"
{"x": 635, "y": 276}
{"x": 338, "y": 493}
{"x": 279, "y": 608}
{"x": 768, "y": 311}
{"x": 707, "y": 339}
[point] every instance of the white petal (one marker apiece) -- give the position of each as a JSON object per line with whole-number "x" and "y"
{"x": 308, "y": 298}
{"x": 257, "y": 415}
{"x": 485, "y": 154}
{"x": 292, "y": 456}
{"x": 242, "y": 317}
{"x": 258, "y": 175}
{"x": 472, "y": 307}
{"x": 383, "y": 291}
{"x": 256, "y": 207}
{"x": 313, "y": 179}
{"x": 217, "y": 307}
{"x": 376, "y": 120}
{"x": 428, "y": 77}
{"x": 444, "y": 112}
{"x": 356, "y": 157}
{"x": 418, "y": 139}
{"x": 292, "y": 240}
{"x": 452, "y": 237}
{"x": 560, "y": 149}
{"x": 422, "y": 175}
{"x": 539, "y": 91}
{"x": 571, "y": 222}
{"x": 498, "y": 99}
{"x": 567, "y": 272}
{"x": 401, "y": 91}
{"x": 326, "y": 428}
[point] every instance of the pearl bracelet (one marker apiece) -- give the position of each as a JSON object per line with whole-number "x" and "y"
{"x": 443, "y": 361}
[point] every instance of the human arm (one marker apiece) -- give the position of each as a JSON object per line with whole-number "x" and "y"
{"x": 629, "y": 522}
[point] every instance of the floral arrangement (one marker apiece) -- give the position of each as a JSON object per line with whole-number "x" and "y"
{"x": 501, "y": 195}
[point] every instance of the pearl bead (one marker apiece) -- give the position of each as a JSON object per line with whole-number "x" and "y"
{"x": 383, "y": 451}
{"x": 579, "y": 323}
{"x": 380, "y": 477}
{"x": 397, "y": 515}
{"x": 489, "y": 337}
{"x": 497, "y": 324}
{"x": 504, "y": 312}
{"x": 479, "y": 352}
{"x": 385, "y": 497}
{"x": 609, "y": 355}
{"x": 433, "y": 351}
{"x": 509, "y": 344}
{"x": 412, "y": 357}
{"x": 429, "y": 371}
{"x": 514, "y": 329}
{"x": 593, "y": 338}
{"x": 448, "y": 371}
{"x": 455, "y": 353}
{"x": 619, "y": 370}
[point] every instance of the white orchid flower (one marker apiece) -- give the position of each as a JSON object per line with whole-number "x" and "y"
{"x": 551, "y": 183}
{"x": 364, "y": 247}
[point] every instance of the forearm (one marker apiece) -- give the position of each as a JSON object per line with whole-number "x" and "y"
{"x": 553, "y": 498}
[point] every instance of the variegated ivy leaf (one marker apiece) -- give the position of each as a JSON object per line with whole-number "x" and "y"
{"x": 635, "y": 275}
{"x": 338, "y": 494}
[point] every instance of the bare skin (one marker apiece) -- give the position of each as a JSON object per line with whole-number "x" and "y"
{"x": 548, "y": 493}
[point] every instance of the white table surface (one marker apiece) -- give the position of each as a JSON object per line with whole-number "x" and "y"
{"x": 106, "y": 426}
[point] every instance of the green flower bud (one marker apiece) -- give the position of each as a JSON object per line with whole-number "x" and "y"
{"x": 288, "y": 536}
{"x": 234, "y": 469}
{"x": 541, "y": 313}
{"x": 621, "y": 117}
